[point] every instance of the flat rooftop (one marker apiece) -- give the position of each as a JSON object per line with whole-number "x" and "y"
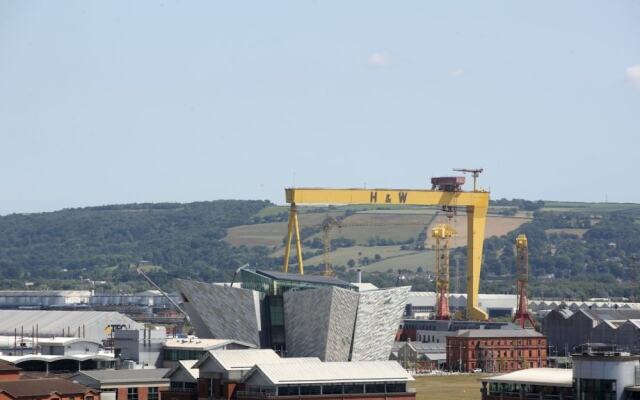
{"x": 201, "y": 344}
{"x": 317, "y": 279}
{"x": 535, "y": 376}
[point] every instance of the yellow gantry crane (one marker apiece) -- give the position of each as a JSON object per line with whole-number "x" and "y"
{"x": 446, "y": 192}
{"x": 442, "y": 233}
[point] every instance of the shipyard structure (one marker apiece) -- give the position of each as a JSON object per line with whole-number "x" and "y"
{"x": 298, "y": 315}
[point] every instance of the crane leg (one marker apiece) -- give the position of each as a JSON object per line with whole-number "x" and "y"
{"x": 296, "y": 227}
{"x": 476, "y": 218}
{"x": 287, "y": 246}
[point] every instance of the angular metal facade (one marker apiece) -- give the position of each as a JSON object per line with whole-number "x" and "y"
{"x": 377, "y": 321}
{"x": 330, "y": 323}
{"x": 221, "y": 312}
{"x": 319, "y": 323}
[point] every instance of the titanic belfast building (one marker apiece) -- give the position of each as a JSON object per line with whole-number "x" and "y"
{"x": 298, "y": 315}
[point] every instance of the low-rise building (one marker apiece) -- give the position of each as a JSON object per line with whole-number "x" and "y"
{"x": 544, "y": 383}
{"x": 15, "y": 386}
{"x": 221, "y": 372}
{"x": 126, "y": 384}
{"x": 598, "y": 373}
{"x": 331, "y": 380}
{"x": 496, "y": 350}
{"x": 419, "y": 357}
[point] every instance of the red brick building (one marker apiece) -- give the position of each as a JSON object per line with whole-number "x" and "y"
{"x": 496, "y": 350}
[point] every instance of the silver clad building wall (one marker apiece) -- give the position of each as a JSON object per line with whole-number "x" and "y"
{"x": 221, "y": 312}
{"x": 378, "y": 318}
{"x": 319, "y": 323}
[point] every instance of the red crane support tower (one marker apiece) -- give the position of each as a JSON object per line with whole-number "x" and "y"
{"x": 522, "y": 269}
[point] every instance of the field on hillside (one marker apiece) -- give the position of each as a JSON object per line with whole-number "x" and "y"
{"x": 270, "y": 233}
{"x": 450, "y": 387}
{"x": 394, "y": 226}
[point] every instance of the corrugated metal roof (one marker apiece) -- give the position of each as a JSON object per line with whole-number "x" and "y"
{"x": 248, "y": 358}
{"x": 536, "y": 376}
{"x": 53, "y": 322}
{"x": 240, "y": 359}
{"x": 338, "y": 372}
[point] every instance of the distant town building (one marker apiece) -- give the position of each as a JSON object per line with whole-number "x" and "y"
{"x": 496, "y": 350}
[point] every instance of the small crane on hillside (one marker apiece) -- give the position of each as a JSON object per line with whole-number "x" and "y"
{"x": 328, "y": 224}
{"x": 522, "y": 269}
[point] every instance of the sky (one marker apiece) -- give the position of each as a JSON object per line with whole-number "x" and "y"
{"x": 105, "y": 102}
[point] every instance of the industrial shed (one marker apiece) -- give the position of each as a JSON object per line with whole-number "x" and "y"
{"x": 566, "y": 329}
{"x": 90, "y": 325}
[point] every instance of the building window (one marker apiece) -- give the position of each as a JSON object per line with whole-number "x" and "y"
{"x": 153, "y": 394}
{"x": 288, "y": 391}
{"x": 309, "y": 390}
{"x": 396, "y": 387}
{"x": 354, "y": 389}
{"x": 375, "y": 388}
{"x": 332, "y": 389}
{"x": 132, "y": 393}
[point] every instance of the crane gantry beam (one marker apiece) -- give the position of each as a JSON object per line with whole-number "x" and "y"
{"x": 476, "y": 203}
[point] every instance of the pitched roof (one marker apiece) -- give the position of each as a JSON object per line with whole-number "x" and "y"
{"x": 428, "y": 347}
{"x": 186, "y": 365}
{"x": 239, "y": 359}
{"x": 334, "y": 372}
{"x": 611, "y": 314}
{"x": 127, "y": 375}
{"x": 41, "y": 387}
{"x": 499, "y": 333}
{"x": 246, "y": 359}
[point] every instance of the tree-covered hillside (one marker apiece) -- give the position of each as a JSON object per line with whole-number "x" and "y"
{"x": 100, "y": 243}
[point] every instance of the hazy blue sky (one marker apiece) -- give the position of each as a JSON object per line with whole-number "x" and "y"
{"x": 121, "y": 101}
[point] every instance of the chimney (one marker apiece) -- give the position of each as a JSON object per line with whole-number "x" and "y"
{"x": 359, "y": 280}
